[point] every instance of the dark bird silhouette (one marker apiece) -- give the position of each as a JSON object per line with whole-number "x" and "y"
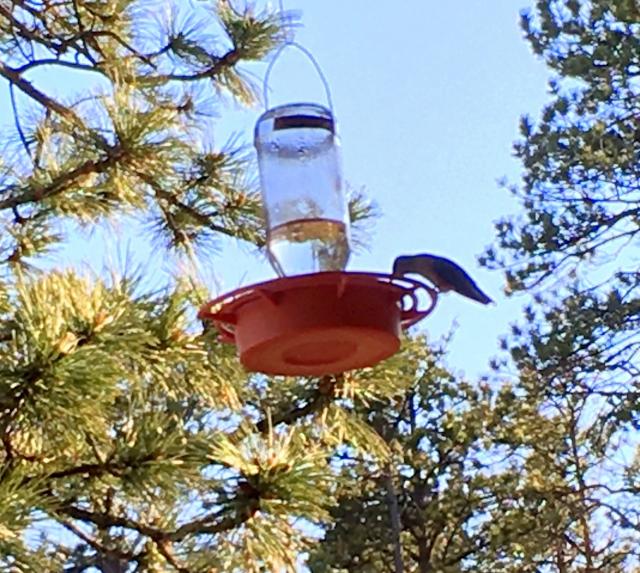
{"x": 444, "y": 274}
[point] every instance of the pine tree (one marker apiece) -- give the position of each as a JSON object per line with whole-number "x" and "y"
{"x": 544, "y": 474}
{"x": 573, "y": 248}
{"x": 131, "y": 439}
{"x": 456, "y": 486}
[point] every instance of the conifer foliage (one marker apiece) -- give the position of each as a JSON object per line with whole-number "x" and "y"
{"x": 575, "y": 247}
{"x": 130, "y": 440}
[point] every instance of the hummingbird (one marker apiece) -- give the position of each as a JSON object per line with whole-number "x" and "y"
{"x": 445, "y": 275}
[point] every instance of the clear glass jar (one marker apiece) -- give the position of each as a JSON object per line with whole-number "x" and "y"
{"x": 302, "y": 190}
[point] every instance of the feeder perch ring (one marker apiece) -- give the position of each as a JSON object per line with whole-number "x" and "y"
{"x": 319, "y": 323}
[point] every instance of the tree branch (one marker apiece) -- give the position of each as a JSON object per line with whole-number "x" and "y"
{"x": 321, "y": 397}
{"x": 57, "y": 62}
{"x": 227, "y": 60}
{"x": 394, "y": 516}
{"x": 202, "y": 526}
{"x": 105, "y": 520}
{"x": 166, "y": 550}
{"x": 91, "y": 541}
{"x": 200, "y": 218}
{"x": 16, "y": 120}
{"x": 63, "y": 181}
{"x": 14, "y": 77}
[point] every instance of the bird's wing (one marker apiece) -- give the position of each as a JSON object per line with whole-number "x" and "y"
{"x": 459, "y": 280}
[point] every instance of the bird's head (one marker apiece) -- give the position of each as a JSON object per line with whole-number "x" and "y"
{"x": 402, "y": 266}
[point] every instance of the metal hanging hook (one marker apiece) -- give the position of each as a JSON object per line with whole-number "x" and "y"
{"x": 310, "y": 57}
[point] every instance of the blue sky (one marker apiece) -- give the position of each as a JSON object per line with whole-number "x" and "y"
{"x": 427, "y": 98}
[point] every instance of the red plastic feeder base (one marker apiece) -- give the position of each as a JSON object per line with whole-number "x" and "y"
{"x": 317, "y": 324}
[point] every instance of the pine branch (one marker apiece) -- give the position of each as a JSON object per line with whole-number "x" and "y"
{"x": 194, "y": 214}
{"x": 208, "y": 525}
{"x": 105, "y": 520}
{"x": 56, "y": 62}
{"x": 57, "y": 48}
{"x": 83, "y": 42}
{"x": 93, "y": 542}
{"x": 64, "y": 181}
{"x": 100, "y": 469}
{"x": 23, "y": 31}
{"x": 165, "y": 549}
{"x": 203, "y": 527}
{"x": 15, "y": 78}
{"x": 227, "y": 60}
{"x": 322, "y": 396}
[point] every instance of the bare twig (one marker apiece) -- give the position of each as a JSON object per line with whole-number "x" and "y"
{"x": 16, "y": 120}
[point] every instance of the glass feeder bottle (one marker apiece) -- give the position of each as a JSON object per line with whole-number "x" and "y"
{"x": 302, "y": 189}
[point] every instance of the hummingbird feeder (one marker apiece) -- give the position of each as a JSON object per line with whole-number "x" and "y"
{"x": 315, "y": 319}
